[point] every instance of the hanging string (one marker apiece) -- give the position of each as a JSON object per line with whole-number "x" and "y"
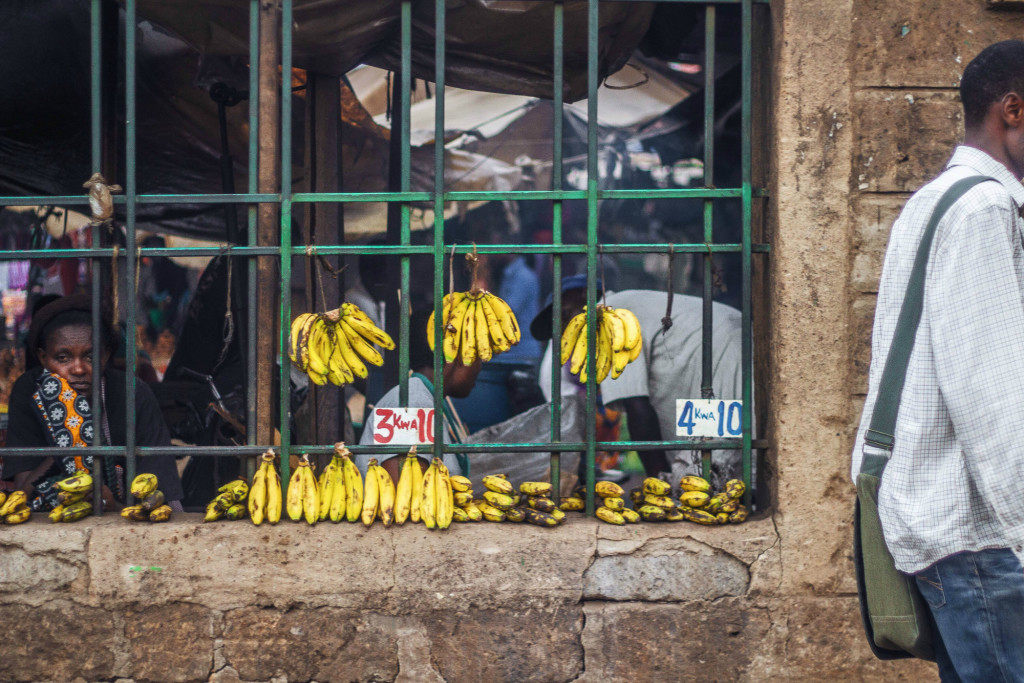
{"x": 229, "y": 318}
{"x": 113, "y": 278}
{"x": 666, "y": 322}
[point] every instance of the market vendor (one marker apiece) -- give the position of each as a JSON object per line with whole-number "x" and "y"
{"x": 668, "y": 368}
{"x": 49, "y": 407}
{"x": 458, "y": 381}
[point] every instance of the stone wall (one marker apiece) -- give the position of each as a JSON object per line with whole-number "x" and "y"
{"x": 186, "y": 601}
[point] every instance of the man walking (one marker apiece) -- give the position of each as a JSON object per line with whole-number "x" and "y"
{"x": 951, "y": 502}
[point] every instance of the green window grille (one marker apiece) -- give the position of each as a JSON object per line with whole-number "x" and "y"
{"x": 270, "y": 46}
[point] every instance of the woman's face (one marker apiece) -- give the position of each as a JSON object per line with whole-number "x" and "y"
{"x": 68, "y": 353}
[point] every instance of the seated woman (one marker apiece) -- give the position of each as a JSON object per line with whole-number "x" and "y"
{"x": 49, "y": 407}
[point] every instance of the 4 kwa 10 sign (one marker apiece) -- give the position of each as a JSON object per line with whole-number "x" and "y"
{"x": 709, "y": 418}
{"x": 404, "y": 426}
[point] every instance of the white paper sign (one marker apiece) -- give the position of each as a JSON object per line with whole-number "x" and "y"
{"x": 709, "y": 417}
{"x": 402, "y": 425}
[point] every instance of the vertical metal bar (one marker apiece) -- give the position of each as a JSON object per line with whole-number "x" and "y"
{"x": 746, "y": 91}
{"x": 556, "y": 239}
{"x": 592, "y": 186}
{"x": 286, "y": 234}
{"x": 706, "y": 389}
{"x": 404, "y": 103}
{"x": 96, "y": 138}
{"x": 130, "y": 259}
{"x": 440, "y": 26}
{"x": 251, "y": 210}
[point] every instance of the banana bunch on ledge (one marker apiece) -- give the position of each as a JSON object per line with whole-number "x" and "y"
{"x": 265, "y": 492}
{"x": 72, "y": 503}
{"x": 14, "y": 508}
{"x": 151, "y": 507}
{"x": 335, "y": 346}
{"x": 341, "y": 488}
{"x": 229, "y": 503}
{"x": 619, "y": 342}
{"x": 476, "y": 324}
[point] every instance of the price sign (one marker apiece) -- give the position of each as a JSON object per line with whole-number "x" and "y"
{"x": 709, "y": 417}
{"x": 402, "y": 426}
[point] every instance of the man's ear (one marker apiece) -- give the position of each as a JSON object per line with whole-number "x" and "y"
{"x": 1012, "y": 106}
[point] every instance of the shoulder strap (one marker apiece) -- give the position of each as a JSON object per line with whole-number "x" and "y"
{"x": 882, "y": 430}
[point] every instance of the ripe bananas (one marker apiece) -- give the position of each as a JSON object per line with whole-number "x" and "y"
{"x": 15, "y": 509}
{"x": 332, "y": 346}
{"x": 303, "y": 495}
{"x": 265, "y": 492}
{"x": 619, "y": 342}
{"x": 475, "y": 324}
{"x": 409, "y": 492}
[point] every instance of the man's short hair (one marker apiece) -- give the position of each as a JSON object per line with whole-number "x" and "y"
{"x": 996, "y": 71}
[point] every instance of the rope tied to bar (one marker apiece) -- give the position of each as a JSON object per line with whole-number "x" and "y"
{"x": 666, "y": 322}
{"x": 113, "y": 278}
{"x": 229, "y": 317}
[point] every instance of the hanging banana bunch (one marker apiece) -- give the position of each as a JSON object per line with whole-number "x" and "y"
{"x": 477, "y": 324}
{"x": 619, "y": 342}
{"x": 335, "y": 346}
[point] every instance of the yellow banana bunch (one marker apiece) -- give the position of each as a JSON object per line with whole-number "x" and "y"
{"x": 303, "y": 494}
{"x": 619, "y": 342}
{"x": 406, "y": 496}
{"x": 333, "y": 488}
{"x": 326, "y": 485}
{"x": 265, "y": 492}
{"x": 475, "y": 324}
{"x": 331, "y": 346}
{"x": 238, "y": 489}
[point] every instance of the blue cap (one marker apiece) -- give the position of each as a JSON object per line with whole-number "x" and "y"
{"x": 540, "y": 327}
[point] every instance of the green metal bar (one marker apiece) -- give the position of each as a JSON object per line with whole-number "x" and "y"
{"x": 130, "y": 260}
{"x": 440, "y": 27}
{"x": 556, "y": 239}
{"x": 406, "y": 166}
{"x": 286, "y": 238}
{"x": 747, "y": 348}
{"x": 253, "y": 171}
{"x": 96, "y": 138}
{"x": 706, "y": 387}
{"x": 592, "y": 179}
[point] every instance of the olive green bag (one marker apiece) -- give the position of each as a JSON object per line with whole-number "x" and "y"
{"x": 895, "y": 615}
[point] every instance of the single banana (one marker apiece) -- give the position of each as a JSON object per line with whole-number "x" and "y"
{"x": 349, "y": 357}
{"x": 3, "y": 497}
{"x": 674, "y": 515}
{"x": 509, "y": 324}
{"x": 579, "y": 353}
{"x": 573, "y": 504}
{"x": 694, "y": 499}
{"x": 361, "y": 323}
{"x": 370, "y": 494}
{"x": 535, "y": 488}
{"x": 160, "y": 514}
{"x": 310, "y": 496}
{"x": 694, "y": 483}
{"x": 293, "y": 505}
{"x": 452, "y": 340}
{"x": 428, "y": 499}
{"x": 325, "y": 485}
{"x": 56, "y": 513}
{"x": 469, "y": 351}
{"x": 616, "y": 504}
{"x": 65, "y": 498}
{"x": 460, "y": 515}
{"x": 473, "y": 511}
{"x": 616, "y": 328}
{"x": 361, "y": 346}
{"x": 498, "y": 484}
{"x": 445, "y": 504}
{"x": 416, "y": 493}
{"x": 490, "y": 513}
{"x": 735, "y": 488}
{"x": 461, "y": 483}
{"x": 699, "y": 516}
{"x": 608, "y": 489}
{"x": 739, "y": 516}
{"x": 302, "y": 342}
{"x": 730, "y": 506}
{"x": 631, "y": 516}
{"x": 603, "y": 363}
{"x": 515, "y": 515}
{"x": 213, "y": 512}
{"x": 652, "y": 513}
{"x": 446, "y": 314}
{"x": 14, "y": 501}
{"x": 385, "y": 496}
{"x": 608, "y": 515}
{"x": 634, "y": 335}
{"x": 659, "y": 501}
{"x": 76, "y": 511}
{"x": 338, "y": 505}
{"x": 80, "y": 482}
{"x": 571, "y": 333}
{"x": 499, "y": 500}
{"x": 714, "y": 505}
{"x": 538, "y": 518}
{"x": 483, "y": 335}
{"x": 152, "y": 501}
{"x": 294, "y": 336}
{"x": 236, "y": 511}
{"x": 142, "y": 485}
{"x": 462, "y": 498}
{"x": 273, "y": 489}
{"x": 353, "y": 490}
{"x": 258, "y": 495}
{"x": 18, "y": 516}
{"x": 657, "y": 487}
{"x": 319, "y": 349}
{"x": 403, "y": 493}
{"x": 499, "y": 342}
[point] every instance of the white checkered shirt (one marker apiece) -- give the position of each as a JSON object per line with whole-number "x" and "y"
{"x": 955, "y": 480}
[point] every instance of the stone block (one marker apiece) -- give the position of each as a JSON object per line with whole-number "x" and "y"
{"x": 873, "y": 218}
{"x": 170, "y": 643}
{"x": 924, "y": 43}
{"x": 34, "y": 575}
{"x": 904, "y": 137}
{"x": 664, "y": 569}
{"x": 58, "y": 641}
{"x": 862, "y": 319}
{"x": 232, "y": 564}
{"x": 695, "y": 641}
{"x": 324, "y": 644}
{"x": 745, "y": 541}
{"x": 513, "y": 645}
{"x": 491, "y": 565}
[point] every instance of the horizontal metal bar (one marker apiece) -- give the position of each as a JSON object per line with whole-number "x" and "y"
{"x": 389, "y": 250}
{"x": 537, "y": 447}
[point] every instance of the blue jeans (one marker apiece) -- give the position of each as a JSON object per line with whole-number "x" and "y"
{"x": 977, "y": 602}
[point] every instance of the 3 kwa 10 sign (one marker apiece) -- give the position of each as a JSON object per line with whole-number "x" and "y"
{"x": 404, "y": 426}
{"x": 709, "y": 418}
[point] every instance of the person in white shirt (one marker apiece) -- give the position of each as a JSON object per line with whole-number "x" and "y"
{"x": 950, "y": 499}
